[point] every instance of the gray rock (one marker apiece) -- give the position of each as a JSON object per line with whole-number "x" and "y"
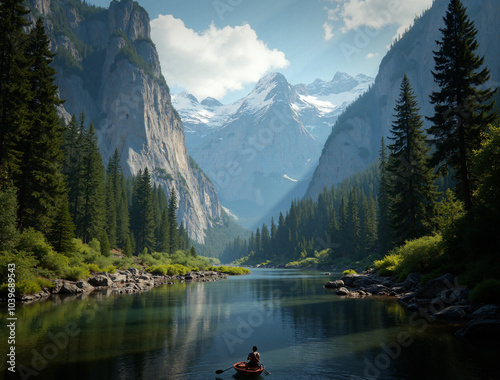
{"x": 350, "y": 279}
{"x": 343, "y": 292}
{"x": 363, "y": 282}
{"x": 100, "y": 280}
{"x": 376, "y": 289}
{"x": 487, "y": 311}
{"x": 85, "y": 286}
{"x": 57, "y": 286}
{"x": 334, "y": 284}
{"x": 412, "y": 281}
{"x": 432, "y": 289}
{"x": 118, "y": 277}
{"x": 451, "y": 313}
{"x": 69, "y": 288}
{"x": 133, "y": 271}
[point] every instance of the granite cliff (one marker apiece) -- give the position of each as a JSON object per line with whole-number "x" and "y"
{"x": 108, "y": 67}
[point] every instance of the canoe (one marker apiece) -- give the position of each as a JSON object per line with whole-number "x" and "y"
{"x": 242, "y": 369}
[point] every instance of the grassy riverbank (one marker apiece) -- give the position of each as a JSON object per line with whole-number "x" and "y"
{"x": 36, "y": 264}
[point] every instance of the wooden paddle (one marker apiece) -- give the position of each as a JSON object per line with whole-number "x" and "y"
{"x": 219, "y": 371}
{"x": 265, "y": 370}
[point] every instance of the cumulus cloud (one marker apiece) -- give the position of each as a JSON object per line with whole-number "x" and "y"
{"x": 376, "y": 14}
{"x": 215, "y": 61}
{"x": 372, "y": 55}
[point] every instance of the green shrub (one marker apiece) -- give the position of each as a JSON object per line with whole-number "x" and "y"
{"x": 77, "y": 273}
{"x": 230, "y": 270}
{"x": 110, "y": 269}
{"x": 387, "y": 266}
{"x": 349, "y": 271}
{"x": 25, "y": 264}
{"x": 34, "y": 242}
{"x": 487, "y": 291}
{"x": 420, "y": 255}
{"x": 56, "y": 263}
{"x": 95, "y": 245}
{"x": 93, "y": 268}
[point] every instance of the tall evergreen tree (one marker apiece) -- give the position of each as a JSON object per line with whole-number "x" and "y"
{"x": 163, "y": 238}
{"x": 62, "y": 233}
{"x": 353, "y": 225}
{"x": 92, "y": 211}
{"x": 462, "y": 108}
{"x": 412, "y": 192}
{"x": 142, "y": 212}
{"x": 172, "y": 220}
{"x": 383, "y": 228}
{"x": 39, "y": 180}
{"x": 14, "y": 87}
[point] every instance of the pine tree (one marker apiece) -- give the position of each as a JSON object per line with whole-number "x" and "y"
{"x": 183, "y": 238}
{"x": 353, "y": 227}
{"x": 142, "y": 212}
{"x": 14, "y": 87}
{"x": 172, "y": 220}
{"x": 91, "y": 213}
{"x": 412, "y": 192}
{"x": 163, "y": 238}
{"x": 462, "y": 111}
{"x": 62, "y": 232}
{"x": 105, "y": 247}
{"x": 39, "y": 180}
{"x": 383, "y": 227}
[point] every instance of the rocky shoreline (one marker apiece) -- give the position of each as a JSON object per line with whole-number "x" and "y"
{"x": 440, "y": 300}
{"x": 128, "y": 281}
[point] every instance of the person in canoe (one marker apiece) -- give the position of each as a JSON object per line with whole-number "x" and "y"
{"x": 253, "y": 358}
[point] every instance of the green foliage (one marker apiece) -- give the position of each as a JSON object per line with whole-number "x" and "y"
{"x": 233, "y": 271}
{"x": 34, "y": 242}
{"x": 420, "y": 255}
{"x": 168, "y": 270}
{"x": 76, "y": 273}
{"x": 388, "y": 265}
{"x": 93, "y": 268}
{"x": 463, "y": 106}
{"x": 110, "y": 269}
{"x": 487, "y": 291}
{"x": 349, "y": 271}
{"x": 9, "y": 234}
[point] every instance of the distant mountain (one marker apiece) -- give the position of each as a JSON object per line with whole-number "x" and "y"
{"x": 355, "y": 139}
{"x": 108, "y": 67}
{"x": 260, "y": 151}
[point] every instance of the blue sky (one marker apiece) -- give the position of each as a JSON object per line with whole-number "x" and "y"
{"x": 221, "y": 48}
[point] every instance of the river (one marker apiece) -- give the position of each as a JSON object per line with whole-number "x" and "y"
{"x": 187, "y": 331}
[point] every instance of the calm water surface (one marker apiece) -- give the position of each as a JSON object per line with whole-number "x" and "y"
{"x": 187, "y": 331}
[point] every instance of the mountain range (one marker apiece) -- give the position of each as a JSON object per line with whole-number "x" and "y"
{"x": 260, "y": 151}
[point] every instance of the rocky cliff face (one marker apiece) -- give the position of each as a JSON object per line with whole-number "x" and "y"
{"x": 355, "y": 140}
{"x": 108, "y": 67}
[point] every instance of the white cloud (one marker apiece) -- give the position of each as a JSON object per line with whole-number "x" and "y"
{"x": 328, "y": 31}
{"x": 372, "y": 55}
{"x": 212, "y": 62}
{"x": 376, "y": 14}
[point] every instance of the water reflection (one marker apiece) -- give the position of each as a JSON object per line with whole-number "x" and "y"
{"x": 188, "y": 331}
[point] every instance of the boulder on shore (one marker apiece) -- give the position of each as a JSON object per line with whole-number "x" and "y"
{"x": 432, "y": 289}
